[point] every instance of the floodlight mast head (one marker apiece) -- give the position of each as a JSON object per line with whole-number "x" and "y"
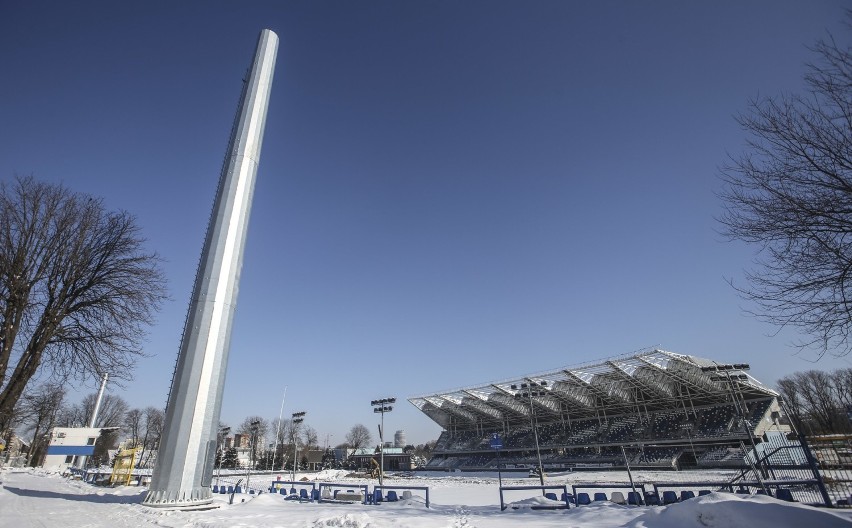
{"x": 530, "y": 390}
{"x": 725, "y": 367}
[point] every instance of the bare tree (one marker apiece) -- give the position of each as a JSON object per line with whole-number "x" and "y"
{"x": 76, "y": 287}
{"x": 358, "y": 437}
{"x": 790, "y": 394}
{"x": 40, "y": 407}
{"x": 841, "y": 380}
{"x": 292, "y": 432}
{"x": 153, "y": 419}
{"x": 791, "y": 194}
{"x": 818, "y": 395}
{"x": 72, "y": 416}
{"x": 281, "y": 428}
{"x": 133, "y": 422}
{"x": 815, "y": 400}
{"x": 257, "y": 428}
{"x": 310, "y": 437}
{"x": 8, "y": 423}
{"x": 111, "y": 413}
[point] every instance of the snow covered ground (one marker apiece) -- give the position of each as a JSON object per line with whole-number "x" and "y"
{"x": 33, "y": 498}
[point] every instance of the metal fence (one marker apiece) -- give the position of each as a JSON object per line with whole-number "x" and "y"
{"x": 833, "y": 458}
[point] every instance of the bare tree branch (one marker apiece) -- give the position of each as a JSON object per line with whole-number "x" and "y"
{"x": 77, "y": 288}
{"x": 790, "y": 193}
{"x": 358, "y": 437}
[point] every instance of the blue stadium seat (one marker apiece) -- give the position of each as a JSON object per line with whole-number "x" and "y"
{"x": 669, "y": 497}
{"x": 760, "y": 491}
{"x": 601, "y": 496}
{"x": 784, "y": 494}
{"x": 392, "y": 497}
{"x": 222, "y": 490}
{"x": 292, "y": 491}
{"x": 282, "y": 491}
{"x": 215, "y": 488}
{"x": 230, "y": 489}
{"x": 315, "y": 495}
{"x": 377, "y": 496}
{"x": 550, "y": 495}
{"x": 704, "y": 492}
{"x": 686, "y": 495}
{"x": 583, "y": 498}
{"x": 303, "y": 494}
{"x": 238, "y": 489}
{"x": 651, "y": 499}
{"x": 634, "y": 498}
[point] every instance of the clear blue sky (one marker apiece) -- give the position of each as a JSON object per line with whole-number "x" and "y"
{"x": 449, "y": 192}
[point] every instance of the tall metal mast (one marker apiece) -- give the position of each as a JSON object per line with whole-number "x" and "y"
{"x": 185, "y": 459}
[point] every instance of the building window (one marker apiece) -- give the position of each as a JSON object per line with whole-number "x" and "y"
{"x": 91, "y": 441}
{"x": 69, "y": 459}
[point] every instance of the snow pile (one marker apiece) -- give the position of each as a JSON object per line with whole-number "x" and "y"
{"x": 725, "y": 510}
{"x": 329, "y": 475}
{"x": 348, "y": 520}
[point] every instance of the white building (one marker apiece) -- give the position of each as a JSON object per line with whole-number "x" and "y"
{"x": 69, "y": 443}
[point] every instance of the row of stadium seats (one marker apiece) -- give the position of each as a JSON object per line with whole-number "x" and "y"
{"x": 601, "y": 456}
{"x": 701, "y": 424}
{"x": 721, "y": 455}
{"x": 651, "y": 499}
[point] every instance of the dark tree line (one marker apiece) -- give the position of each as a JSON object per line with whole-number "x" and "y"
{"x": 819, "y": 402}
{"x": 272, "y": 444}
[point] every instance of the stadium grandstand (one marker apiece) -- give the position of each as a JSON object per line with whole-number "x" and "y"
{"x": 649, "y": 409}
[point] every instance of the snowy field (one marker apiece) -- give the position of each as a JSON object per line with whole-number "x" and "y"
{"x": 33, "y": 498}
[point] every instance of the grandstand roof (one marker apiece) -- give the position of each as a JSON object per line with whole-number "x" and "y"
{"x": 651, "y": 380}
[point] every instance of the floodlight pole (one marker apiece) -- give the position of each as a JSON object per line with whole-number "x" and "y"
{"x": 528, "y": 395}
{"x": 297, "y": 418}
{"x": 252, "y": 449}
{"x": 381, "y": 407}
